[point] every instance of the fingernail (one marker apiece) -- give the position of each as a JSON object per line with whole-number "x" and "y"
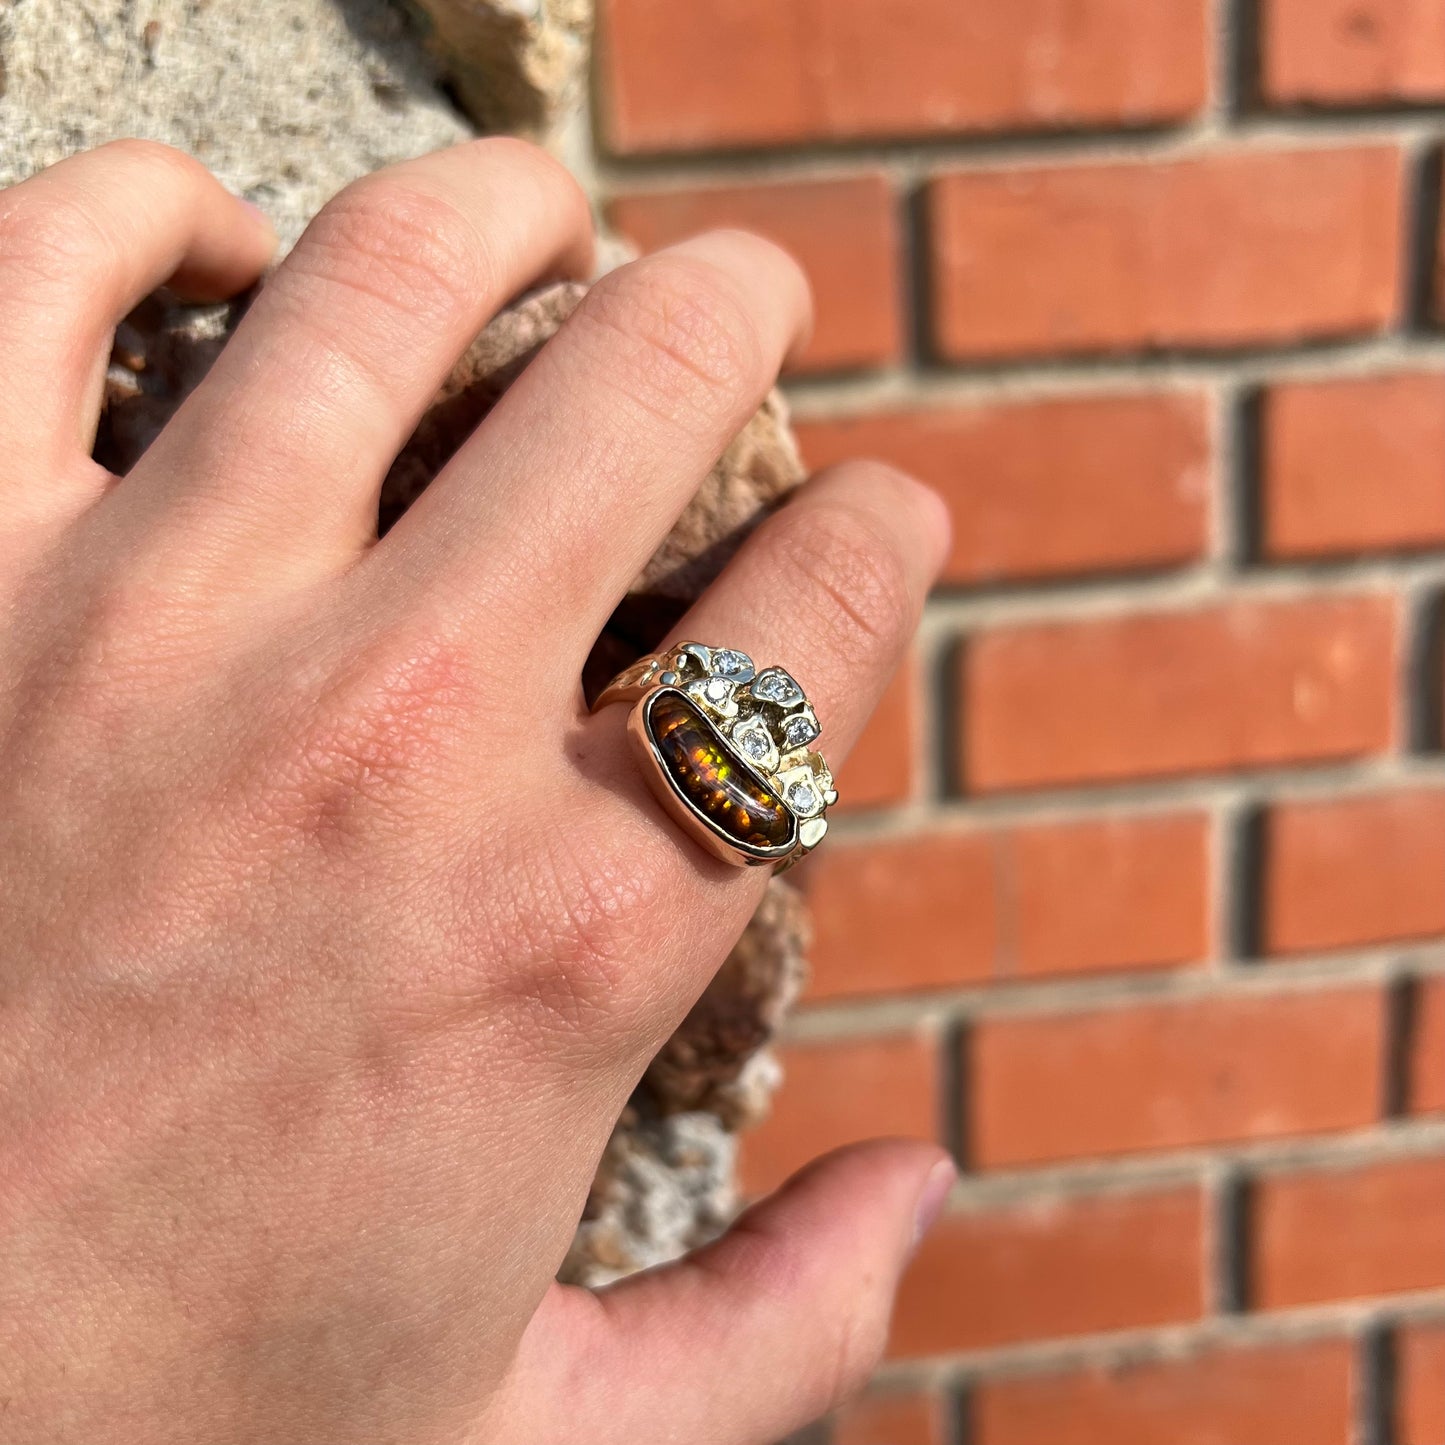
{"x": 941, "y": 1179}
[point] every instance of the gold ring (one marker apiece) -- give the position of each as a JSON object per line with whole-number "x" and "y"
{"x": 727, "y": 749}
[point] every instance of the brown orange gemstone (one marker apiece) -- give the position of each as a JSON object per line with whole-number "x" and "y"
{"x": 707, "y": 774}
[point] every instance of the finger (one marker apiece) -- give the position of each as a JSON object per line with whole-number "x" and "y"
{"x": 80, "y": 244}
{"x": 831, "y": 588}
{"x": 755, "y": 1336}
{"x": 293, "y": 431}
{"x": 590, "y": 457}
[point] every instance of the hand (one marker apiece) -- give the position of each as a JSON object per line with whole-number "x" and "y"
{"x": 334, "y": 934}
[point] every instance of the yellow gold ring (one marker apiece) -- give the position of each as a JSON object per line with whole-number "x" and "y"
{"x": 727, "y": 749}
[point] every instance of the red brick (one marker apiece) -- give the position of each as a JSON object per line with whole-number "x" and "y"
{"x": 880, "y": 770}
{"x": 1173, "y": 1075}
{"x": 1349, "y": 871}
{"x": 1353, "y": 52}
{"x": 910, "y": 913}
{"x": 1246, "y": 684}
{"x": 1049, "y": 1269}
{"x": 774, "y": 72}
{"x": 1330, "y": 1236}
{"x": 843, "y": 1092}
{"x": 1426, "y": 1086}
{"x": 1049, "y": 488}
{"x": 1419, "y": 1387}
{"x": 1232, "y": 249}
{"x": 891, "y": 1419}
{"x": 945, "y": 909}
{"x": 844, "y": 232}
{"x": 1117, "y": 893}
{"x": 1353, "y": 466}
{"x": 1242, "y": 1397}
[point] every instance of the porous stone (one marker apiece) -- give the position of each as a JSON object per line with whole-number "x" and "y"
{"x": 286, "y": 101}
{"x": 663, "y": 1187}
{"x": 515, "y": 65}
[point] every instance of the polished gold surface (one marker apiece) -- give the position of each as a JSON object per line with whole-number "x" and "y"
{"x": 726, "y": 747}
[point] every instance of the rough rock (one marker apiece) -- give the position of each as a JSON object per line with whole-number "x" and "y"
{"x": 718, "y": 1062}
{"x": 515, "y": 65}
{"x": 286, "y": 102}
{"x": 665, "y": 1184}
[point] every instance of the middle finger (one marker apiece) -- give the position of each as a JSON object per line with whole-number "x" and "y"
{"x": 289, "y": 437}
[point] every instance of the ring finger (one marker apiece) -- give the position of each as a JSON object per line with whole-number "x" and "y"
{"x": 831, "y": 588}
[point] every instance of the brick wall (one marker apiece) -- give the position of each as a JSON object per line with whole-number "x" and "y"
{"x": 1139, "y": 904}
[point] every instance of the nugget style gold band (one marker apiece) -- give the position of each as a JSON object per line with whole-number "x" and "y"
{"x": 727, "y": 749}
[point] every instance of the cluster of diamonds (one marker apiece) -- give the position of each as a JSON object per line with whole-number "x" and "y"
{"x": 766, "y": 717}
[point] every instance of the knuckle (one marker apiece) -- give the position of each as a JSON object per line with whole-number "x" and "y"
{"x": 577, "y": 962}
{"x": 413, "y": 251}
{"x": 368, "y": 750}
{"x": 113, "y": 661}
{"x": 134, "y": 634}
{"x": 50, "y": 231}
{"x": 857, "y": 1347}
{"x": 50, "y": 239}
{"x": 854, "y": 582}
{"x": 154, "y": 156}
{"x": 848, "y": 1344}
{"x": 688, "y": 336}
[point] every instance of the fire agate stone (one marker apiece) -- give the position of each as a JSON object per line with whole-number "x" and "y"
{"x": 705, "y": 772}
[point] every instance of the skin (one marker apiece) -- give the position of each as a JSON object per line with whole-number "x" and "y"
{"x": 334, "y": 933}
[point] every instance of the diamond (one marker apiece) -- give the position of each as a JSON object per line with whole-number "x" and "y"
{"x": 774, "y": 685}
{"x": 727, "y": 662}
{"x": 804, "y": 798}
{"x": 799, "y": 730}
{"x": 754, "y": 744}
{"x": 717, "y": 689}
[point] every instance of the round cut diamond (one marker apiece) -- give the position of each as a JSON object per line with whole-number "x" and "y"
{"x": 717, "y": 689}
{"x": 727, "y": 662}
{"x": 755, "y": 744}
{"x": 804, "y": 798}
{"x": 799, "y": 730}
{"x": 775, "y": 685}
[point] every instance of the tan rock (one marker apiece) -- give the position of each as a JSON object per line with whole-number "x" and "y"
{"x": 516, "y": 65}
{"x": 286, "y": 102}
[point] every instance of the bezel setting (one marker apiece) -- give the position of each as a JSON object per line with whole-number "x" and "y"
{"x": 756, "y": 730}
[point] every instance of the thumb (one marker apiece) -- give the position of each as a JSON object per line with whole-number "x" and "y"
{"x": 760, "y": 1333}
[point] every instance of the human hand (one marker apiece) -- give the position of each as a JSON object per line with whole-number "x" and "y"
{"x": 334, "y": 933}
